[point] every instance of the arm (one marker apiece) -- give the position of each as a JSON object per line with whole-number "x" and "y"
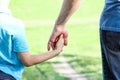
{"x": 29, "y": 60}
{"x": 68, "y": 8}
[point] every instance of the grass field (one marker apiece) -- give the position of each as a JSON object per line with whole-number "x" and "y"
{"x": 83, "y": 50}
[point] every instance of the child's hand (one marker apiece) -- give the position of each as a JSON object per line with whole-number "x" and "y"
{"x": 59, "y": 44}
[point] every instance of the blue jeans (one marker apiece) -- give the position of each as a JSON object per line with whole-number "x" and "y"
{"x": 4, "y": 76}
{"x": 110, "y": 47}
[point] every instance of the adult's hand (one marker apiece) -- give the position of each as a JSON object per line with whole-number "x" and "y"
{"x": 57, "y": 31}
{"x": 68, "y": 8}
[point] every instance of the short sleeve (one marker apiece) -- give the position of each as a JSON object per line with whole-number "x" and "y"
{"x": 19, "y": 41}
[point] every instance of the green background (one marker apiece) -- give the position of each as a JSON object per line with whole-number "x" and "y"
{"x": 83, "y": 50}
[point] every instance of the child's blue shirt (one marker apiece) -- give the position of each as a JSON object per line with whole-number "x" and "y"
{"x": 12, "y": 40}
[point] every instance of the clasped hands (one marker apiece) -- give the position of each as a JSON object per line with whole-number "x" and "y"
{"x": 58, "y": 38}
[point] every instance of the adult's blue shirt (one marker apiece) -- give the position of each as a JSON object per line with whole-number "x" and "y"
{"x": 110, "y": 18}
{"x": 12, "y": 40}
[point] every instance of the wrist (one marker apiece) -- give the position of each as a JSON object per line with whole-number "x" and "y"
{"x": 56, "y": 51}
{"x": 60, "y": 23}
{"x": 59, "y": 28}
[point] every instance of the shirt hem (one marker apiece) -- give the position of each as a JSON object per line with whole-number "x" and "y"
{"x": 110, "y": 28}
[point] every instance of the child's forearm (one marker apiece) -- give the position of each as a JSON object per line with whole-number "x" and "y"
{"x": 29, "y": 60}
{"x": 38, "y": 58}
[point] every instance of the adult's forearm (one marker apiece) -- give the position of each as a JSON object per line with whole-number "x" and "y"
{"x": 68, "y": 8}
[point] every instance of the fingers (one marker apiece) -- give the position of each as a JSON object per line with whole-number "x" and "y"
{"x": 59, "y": 43}
{"x": 52, "y": 41}
{"x": 56, "y": 35}
{"x": 60, "y": 39}
{"x": 65, "y": 37}
{"x": 49, "y": 45}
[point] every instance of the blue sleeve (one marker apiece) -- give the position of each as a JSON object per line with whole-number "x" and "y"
{"x": 19, "y": 41}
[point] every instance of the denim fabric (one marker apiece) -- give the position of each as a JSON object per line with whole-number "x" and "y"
{"x": 110, "y": 18}
{"x": 4, "y": 76}
{"x": 110, "y": 46}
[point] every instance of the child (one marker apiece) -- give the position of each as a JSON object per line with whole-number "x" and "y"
{"x": 14, "y": 52}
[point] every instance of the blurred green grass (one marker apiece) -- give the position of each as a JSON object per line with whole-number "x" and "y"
{"x": 34, "y": 9}
{"x": 83, "y": 50}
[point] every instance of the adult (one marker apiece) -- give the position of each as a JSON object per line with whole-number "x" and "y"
{"x": 109, "y": 34}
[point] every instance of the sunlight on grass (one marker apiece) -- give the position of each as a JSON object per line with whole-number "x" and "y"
{"x": 83, "y": 50}
{"x": 82, "y": 53}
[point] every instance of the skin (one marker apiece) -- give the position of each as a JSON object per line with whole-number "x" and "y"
{"x": 58, "y": 37}
{"x": 29, "y": 60}
{"x": 26, "y": 57}
{"x": 67, "y": 10}
{"x": 55, "y": 41}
